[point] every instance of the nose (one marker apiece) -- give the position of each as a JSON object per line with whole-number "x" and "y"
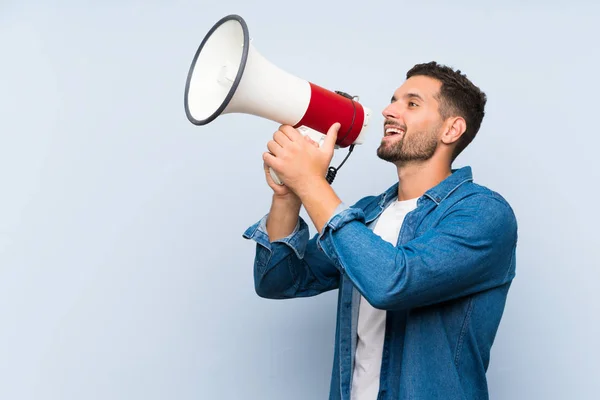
{"x": 392, "y": 111}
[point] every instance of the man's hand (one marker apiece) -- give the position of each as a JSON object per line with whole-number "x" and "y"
{"x": 285, "y": 206}
{"x": 302, "y": 167}
{"x": 298, "y": 161}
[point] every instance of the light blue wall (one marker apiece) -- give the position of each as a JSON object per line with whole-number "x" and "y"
{"x": 123, "y": 273}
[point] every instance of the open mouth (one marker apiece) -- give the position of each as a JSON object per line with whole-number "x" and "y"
{"x": 389, "y": 131}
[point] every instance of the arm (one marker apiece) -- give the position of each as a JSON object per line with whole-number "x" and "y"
{"x": 283, "y": 216}
{"x": 470, "y": 250}
{"x": 286, "y": 263}
{"x": 291, "y": 266}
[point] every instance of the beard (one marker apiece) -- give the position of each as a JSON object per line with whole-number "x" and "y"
{"x": 420, "y": 146}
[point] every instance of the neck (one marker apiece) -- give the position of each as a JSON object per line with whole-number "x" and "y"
{"x": 417, "y": 178}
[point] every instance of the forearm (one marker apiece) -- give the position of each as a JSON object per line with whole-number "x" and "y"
{"x": 283, "y": 217}
{"x": 320, "y": 201}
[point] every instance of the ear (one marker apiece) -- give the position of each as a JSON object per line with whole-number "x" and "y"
{"x": 455, "y": 127}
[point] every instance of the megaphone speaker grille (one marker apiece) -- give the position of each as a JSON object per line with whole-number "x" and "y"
{"x": 216, "y": 70}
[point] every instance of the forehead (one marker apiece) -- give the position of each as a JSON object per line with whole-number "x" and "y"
{"x": 424, "y": 86}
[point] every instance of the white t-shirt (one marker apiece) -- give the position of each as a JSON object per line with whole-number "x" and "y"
{"x": 371, "y": 321}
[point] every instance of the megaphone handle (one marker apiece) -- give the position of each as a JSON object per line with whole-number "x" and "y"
{"x": 316, "y": 136}
{"x": 275, "y": 177}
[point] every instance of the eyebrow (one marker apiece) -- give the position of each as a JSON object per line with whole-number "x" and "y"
{"x": 409, "y": 96}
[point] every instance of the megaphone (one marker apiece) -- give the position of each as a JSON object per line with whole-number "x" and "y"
{"x": 228, "y": 75}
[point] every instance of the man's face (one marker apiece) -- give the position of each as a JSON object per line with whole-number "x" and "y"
{"x": 413, "y": 124}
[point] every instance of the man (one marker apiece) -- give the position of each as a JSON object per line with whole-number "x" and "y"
{"x": 423, "y": 269}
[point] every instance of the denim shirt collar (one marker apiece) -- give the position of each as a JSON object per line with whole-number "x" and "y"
{"x": 437, "y": 193}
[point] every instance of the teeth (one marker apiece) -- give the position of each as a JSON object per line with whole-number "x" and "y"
{"x": 391, "y": 131}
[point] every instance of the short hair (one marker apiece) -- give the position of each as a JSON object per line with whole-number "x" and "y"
{"x": 458, "y": 97}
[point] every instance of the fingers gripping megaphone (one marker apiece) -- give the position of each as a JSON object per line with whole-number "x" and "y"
{"x": 228, "y": 75}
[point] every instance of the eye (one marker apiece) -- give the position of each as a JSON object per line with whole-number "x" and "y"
{"x": 412, "y": 104}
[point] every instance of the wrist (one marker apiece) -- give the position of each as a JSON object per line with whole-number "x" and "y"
{"x": 283, "y": 216}
{"x": 290, "y": 200}
{"x": 311, "y": 187}
{"x": 319, "y": 200}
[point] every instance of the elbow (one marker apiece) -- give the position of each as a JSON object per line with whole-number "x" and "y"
{"x": 383, "y": 299}
{"x": 266, "y": 294}
{"x": 267, "y": 290}
{"x": 273, "y": 281}
{"x": 263, "y": 290}
{"x": 380, "y": 301}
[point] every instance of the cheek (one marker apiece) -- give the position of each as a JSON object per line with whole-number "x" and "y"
{"x": 421, "y": 124}
{"x": 415, "y": 125}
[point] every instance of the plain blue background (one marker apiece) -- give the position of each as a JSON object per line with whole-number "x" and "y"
{"x": 123, "y": 273}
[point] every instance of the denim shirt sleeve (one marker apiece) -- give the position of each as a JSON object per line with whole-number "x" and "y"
{"x": 471, "y": 249}
{"x": 293, "y": 266}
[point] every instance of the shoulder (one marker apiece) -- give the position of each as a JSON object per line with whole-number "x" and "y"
{"x": 486, "y": 197}
{"x": 487, "y": 208}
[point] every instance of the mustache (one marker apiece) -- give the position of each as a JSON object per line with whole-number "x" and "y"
{"x": 390, "y": 122}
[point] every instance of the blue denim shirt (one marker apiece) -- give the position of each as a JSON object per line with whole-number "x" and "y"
{"x": 444, "y": 284}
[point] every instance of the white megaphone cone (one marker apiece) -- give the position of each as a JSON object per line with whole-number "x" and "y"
{"x": 228, "y": 75}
